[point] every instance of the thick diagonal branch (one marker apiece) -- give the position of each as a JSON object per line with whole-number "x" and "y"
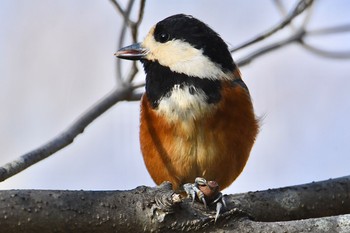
{"x": 67, "y": 136}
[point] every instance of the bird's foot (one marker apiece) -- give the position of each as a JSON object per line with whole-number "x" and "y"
{"x": 206, "y": 192}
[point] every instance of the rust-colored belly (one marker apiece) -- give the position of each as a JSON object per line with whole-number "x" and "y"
{"x": 215, "y": 146}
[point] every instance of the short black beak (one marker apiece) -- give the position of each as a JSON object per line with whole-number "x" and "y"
{"x": 132, "y": 52}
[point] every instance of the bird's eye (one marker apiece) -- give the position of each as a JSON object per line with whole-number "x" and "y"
{"x": 164, "y": 37}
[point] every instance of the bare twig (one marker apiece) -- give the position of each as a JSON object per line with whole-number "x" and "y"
{"x": 280, "y": 6}
{"x": 298, "y": 9}
{"x": 116, "y": 4}
{"x": 283, "y": 10}
{"x": 122, "y": 12}
{"x": 134, "y": 32}
{"x": 296, "y": 37}
{"x": 326, "y": 53}
{"x": 135, "y": 96}
{"x": 307, "y": 17}
{"x": 67, "y": 136}
{"x": 324, "y": 31}
{"x": 121, "y": 39}
{"x": 134, "y": 27}
{"x": 329, "y": 30}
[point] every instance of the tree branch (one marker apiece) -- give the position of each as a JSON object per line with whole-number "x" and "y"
{"x": 330, "y": 30}
{"x": 296, "y": 37}
{"x": 159, "y": 209}
{"x": 122, "y": 12}
{"x": 300, "y": 7}
{"x": 326, "y": 53}
{"x": 126, "y": 15}
{"x": 67, "y": 136}
{"x": 124, "y": 91}
{"x": 134, "y": 32}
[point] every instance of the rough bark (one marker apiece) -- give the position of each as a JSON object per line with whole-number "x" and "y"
{"x": 323, "y": 206}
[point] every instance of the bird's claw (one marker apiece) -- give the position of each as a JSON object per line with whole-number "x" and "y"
{"x": 206, "y": 192}
{"x": 220, "y": 202}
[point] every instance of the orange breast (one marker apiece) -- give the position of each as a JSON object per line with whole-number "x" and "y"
{"x": 215, "y": 146}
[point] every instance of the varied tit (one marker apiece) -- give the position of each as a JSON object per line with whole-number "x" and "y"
{"x": 197, "y": 118}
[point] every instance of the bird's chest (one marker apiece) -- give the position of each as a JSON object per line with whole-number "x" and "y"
{"x": 186, "y": 112}
{"x": 178, "y": 140}
{"x": 184, "y": 106}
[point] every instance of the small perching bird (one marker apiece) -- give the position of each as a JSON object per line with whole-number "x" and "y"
{"x": 197, "y": 118}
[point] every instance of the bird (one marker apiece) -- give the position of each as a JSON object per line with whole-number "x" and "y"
{"x": 197, "y": 118}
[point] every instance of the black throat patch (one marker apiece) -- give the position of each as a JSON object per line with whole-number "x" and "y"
{"x": 160, "y": 81}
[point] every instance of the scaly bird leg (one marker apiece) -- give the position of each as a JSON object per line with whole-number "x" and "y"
{"x": 206, "y": 192}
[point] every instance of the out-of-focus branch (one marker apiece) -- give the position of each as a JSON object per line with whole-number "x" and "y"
{"x": 136, "y": 25}
{"x": 326, "y": 53}
{"x": 134, "y": 28}
{"x": 67, "y": 136}
{"x": 297, "y": 36}
{"x": 121, "y": 39}
{"x": 122, "y": 12}
{"x": 136, "y": 96}
{"x": 117, "y": 6}
{"x": 300, "y": 7}
{"x": 280, "y": 7}
{"x": 330, "y": 30}
{"x": 123, "y": 91}
{"x": 324, "y": 31}
{"x": 134, "y": 32}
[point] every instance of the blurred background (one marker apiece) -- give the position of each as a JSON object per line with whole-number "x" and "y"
{"x": 56, "y": 60}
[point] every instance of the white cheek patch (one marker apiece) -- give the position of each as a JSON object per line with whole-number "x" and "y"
{"x": 183, "y": 58}
{"x": 183, "y": 105}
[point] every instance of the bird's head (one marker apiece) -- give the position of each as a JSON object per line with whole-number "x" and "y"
{"x": 185, "y": 45}
{"x": 186, "y": 63}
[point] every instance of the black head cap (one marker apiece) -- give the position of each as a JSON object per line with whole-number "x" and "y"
{"x": 196, "y": 33}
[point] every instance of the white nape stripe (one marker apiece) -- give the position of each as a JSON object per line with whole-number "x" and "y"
{"x": 183, "y": 58}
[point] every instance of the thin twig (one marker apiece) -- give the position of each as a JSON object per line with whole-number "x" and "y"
{"x": 280, "y": 6}
{"x": 134, "y": 32}
{"x": 330, "y": 30}
{"x": 139, "y": 85}
{"x": 133, "y": 72}
{"x": 293, "y": 38}
{"x": 121, "y": 40}
{"x": 298, "y": 9}
{"x": 67, "y": 136}
{"x": 135, "y": 96}
{"x": 117, "y": 6}
{"x": 308, "y": 16}
{"x": 326, "y": 53}
{"x": 135, "y": 27}
{"x": 283, "y": 10}
{"x": 122, "y": 12}
{"x": 324, "y": 31}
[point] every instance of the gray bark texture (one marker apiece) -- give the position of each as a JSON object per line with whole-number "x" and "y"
{"x": 315, "y": 207}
